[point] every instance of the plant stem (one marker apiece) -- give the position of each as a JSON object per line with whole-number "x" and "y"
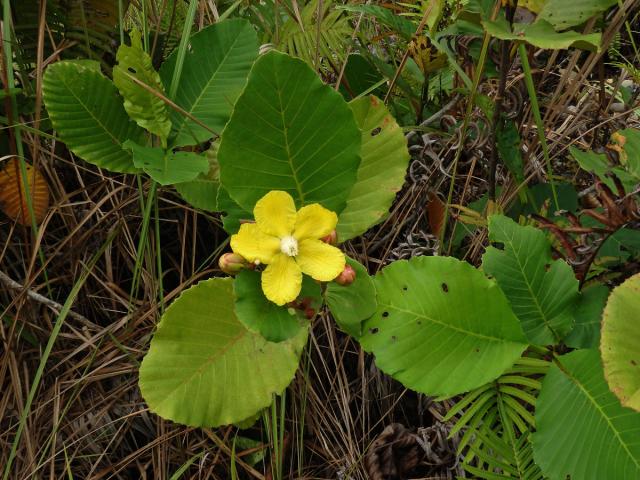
{"x": 505, "y": 46}
{"x": 535, "y": 109}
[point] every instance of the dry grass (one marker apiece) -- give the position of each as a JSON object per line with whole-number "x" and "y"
{"x": 88, "y": 420}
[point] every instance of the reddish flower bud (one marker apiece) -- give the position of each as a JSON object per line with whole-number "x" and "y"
{"x": 305, "y": 302}
{"x": 347, "y": 277}
{"x": 232, "y": 263}
{"x": 331, "y": 239}
{"x": 309, "y": 313}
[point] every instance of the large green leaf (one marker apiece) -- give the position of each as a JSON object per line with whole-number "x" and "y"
{"x": 290, "y": 132}
{"x": 588, "y": 315}
{"x": 204, "y": 368}
{"x": 215, "y": 70}
{"x": 88, "y": 115}
{"x": 262, "y": 316}
{"x": 564, "y": 14}
{"x": 541, "y": 34}
{"x": 542, "y": 291}
{"x": 582, "y": 430}
{"x": 167, "y": 167}
{"x": 202, "y": 191}
{"x": 382, "y": 170}
{"x": 620, "y": 343}
{"x": 352, "y": 304}
{"x": 441, "y": 327}
{"x": 148, "y": 110}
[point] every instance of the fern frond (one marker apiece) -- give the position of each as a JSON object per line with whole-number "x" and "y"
{"x": 301, "y": 38}
{"x": 496, "y": 420}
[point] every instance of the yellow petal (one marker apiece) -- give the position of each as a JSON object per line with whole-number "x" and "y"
{"x": 253, "y": 244}
{"x": 282, "y": 279}
{"x": 314, "y": 221}
{"x": 275, "y": 213}
{"x": 319, "y": 260}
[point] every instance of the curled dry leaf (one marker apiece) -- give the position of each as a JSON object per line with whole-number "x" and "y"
{"x": 13, "y": 198}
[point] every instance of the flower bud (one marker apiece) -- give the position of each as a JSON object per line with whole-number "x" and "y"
{"x": 306, "y": 302}
{"x": 232, "y": 263}
{"x": 331, "y": 239}
{"x": 347, "y": 277}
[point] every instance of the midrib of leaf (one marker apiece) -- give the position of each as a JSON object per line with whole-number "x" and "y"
{"x": 165, "y": 163}
{"x": 286, "y": 140}
{"x": 207, "y": 84}
{"x": 90, "y": 113}
{"x": 446, "y": 325}
{"x": 207, "y": 363}
{"x": 600, "y": 410}
{"x": 529, "y": 287}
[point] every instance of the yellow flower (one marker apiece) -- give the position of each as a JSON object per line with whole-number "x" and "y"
{"x": 288, "y": 242}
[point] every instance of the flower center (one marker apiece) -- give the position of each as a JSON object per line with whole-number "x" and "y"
{"x": 289, "y": 246}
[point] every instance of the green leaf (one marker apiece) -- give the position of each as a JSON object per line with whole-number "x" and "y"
{"x": 205, "y": 369}
{"x": 622, "y": 245}
{"x": 262, "y": 316}
{"x": 562, "y": 14}
{"x": 629, "y": 144}
{"x": 508, "y": 142}
{"x": 290, "y": 132}
{"x": 620, "y": 344}
{"x": 352, "y": 304}
{"x": 582, "y": 430}
{"x": 386, "y": 17}
{"x": 441, "y": 327}
{"x": 542, "y": 291}
{"x": 202, "y": 192}
{"x": 234, "y": 214}
{"x": 87, "y": 113}
{"x": 165, "y": 166}
{"x": 214, "y": 73}
{"x": 598, "y": 164}
{"x": 359, "y": 76}
{"x": 382, "y": 169}
{"x": 588, "y": 312}
{"x": 541, "y": 34}
{"x": 148, "y": 110}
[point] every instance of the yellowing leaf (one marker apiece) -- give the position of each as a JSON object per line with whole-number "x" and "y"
{"x": 13, "y": 198}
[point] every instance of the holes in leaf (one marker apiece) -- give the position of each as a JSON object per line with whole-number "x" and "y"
{"x": 405, "y": 288}
{"x": 547, "y": 267}
{"x": 497, "y": 245}
{"x": 385, "y": 314}
{"x": 419, "y": 322}
{"x": 374, "y": 330}
{"x": 445, "y": 288}
{"x": 375, "y": 131}
{"x": 393, "y": 338}
{"x": 132, "y": 70}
